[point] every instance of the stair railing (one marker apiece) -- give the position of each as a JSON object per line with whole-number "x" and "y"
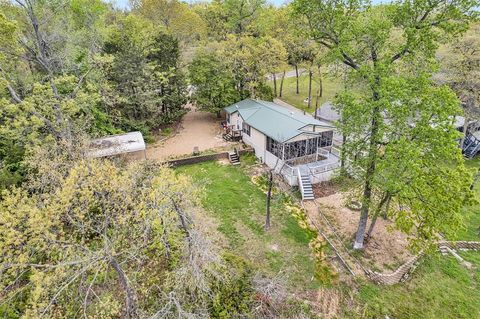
{"x": 475, "y": 150}
{"x": 300, "y": 184}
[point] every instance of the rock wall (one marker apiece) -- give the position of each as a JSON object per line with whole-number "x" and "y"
{"x": 404, "y": 271}
{"x": 204, "y": 158}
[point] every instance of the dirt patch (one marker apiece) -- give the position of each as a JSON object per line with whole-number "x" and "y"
{"x": 387, "y": 248}
{"x": 198, "y": 129}
{"x": 223, "y": 161}
{"x": 324, "y": 189}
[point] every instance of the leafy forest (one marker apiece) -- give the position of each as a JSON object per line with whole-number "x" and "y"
{"x": 92, "y": 238}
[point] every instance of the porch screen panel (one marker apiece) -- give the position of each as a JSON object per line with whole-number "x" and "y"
{"x": 326, "y": 139}
{"x": 274, "y": 147}
{"x": 301, "y": 148}
{"x": 312, "y": 146}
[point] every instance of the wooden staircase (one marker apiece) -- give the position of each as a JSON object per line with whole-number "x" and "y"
{"x": 471, "y": 146}
{"x": 234, "y": 157}
{"x": 232, "y": 136}
{"x": 227, "y": 137}
{"x": 305, "y": 186}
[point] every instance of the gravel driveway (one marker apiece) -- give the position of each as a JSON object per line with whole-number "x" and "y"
{"x": 199, "y": 129}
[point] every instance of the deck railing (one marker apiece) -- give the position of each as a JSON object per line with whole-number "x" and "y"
{"x": 323, "y": 152}
{"x": 335, "y": 151}
{"x": 290, "y": 170}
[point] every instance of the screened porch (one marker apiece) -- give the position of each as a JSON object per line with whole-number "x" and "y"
{"x": 318, "y": 167}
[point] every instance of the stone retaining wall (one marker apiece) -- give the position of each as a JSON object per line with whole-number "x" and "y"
{"x": 467, "y": 245}
{"x": 401, "y": 274}
{"x": 203, "y": 158}
{"x": 404, "y": 271}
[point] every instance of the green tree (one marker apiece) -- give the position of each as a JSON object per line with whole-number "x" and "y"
{"x": 99, "y": 226}
{"x": 144, "y": 86}
{"x": 44, "y": 90}
{"x": 248, "y": 57}
{"x": 176, "y": 17}
{"x": 462, "y": 68}
{"x": 275, "y": 58}
{"x": 379, "y": 44}
{"x": 214, "y": 85}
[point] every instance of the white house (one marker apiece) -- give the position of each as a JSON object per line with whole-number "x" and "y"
{"x": 296, "y": 145}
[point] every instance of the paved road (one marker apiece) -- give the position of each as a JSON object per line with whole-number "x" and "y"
{"x": 288, "y": 74}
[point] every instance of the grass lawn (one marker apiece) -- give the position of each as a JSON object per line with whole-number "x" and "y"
{"x": 238, "y": 207}
{"x": 472, "y": 214}
{"x": 440, "y": 287}
{"x": 331, "y": 86}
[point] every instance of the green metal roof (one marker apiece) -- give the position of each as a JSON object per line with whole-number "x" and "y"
{"x": 274, "y": 120}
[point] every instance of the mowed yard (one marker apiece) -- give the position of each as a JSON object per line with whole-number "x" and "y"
{"x": 331, "y": 86}
{"x": 237, "y": 207}
{"x": 439, "y": 288}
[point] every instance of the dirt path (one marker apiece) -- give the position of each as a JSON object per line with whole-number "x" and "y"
{"x": 199, "y": 129}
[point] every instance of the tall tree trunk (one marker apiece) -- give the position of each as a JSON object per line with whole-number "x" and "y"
{"x": 343, "y": 155}
{"x": 269, "y": 197}
{"x": 385, "y": 200}
{"x": 320, "y": 81}
{"x": 281, "y": 84}
{"x": 130, "y": 298}
{"x": 310, "y": 73}
{"x": 296, "y": 75}
{"x": 371, "y": 166}
{"x": 274, "y": 84}
{"x": 317, "y": 97}
{"x": 319, "y": 90}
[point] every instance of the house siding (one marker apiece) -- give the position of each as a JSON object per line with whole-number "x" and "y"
{"x": 271, "y": 161}
{"x": 257, "y": 141}
{"x": 235, "y": 119}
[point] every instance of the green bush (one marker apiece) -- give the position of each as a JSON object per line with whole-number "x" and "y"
{"x": 234, "y": 295}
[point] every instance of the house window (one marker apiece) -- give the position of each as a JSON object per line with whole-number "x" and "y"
{"x": 275, "y": 147}
{"x": 246, "y": 128}
{"x": 228, "y": 118}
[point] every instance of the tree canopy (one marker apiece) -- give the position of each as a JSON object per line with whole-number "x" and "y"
{"x": 384, "y": 47}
